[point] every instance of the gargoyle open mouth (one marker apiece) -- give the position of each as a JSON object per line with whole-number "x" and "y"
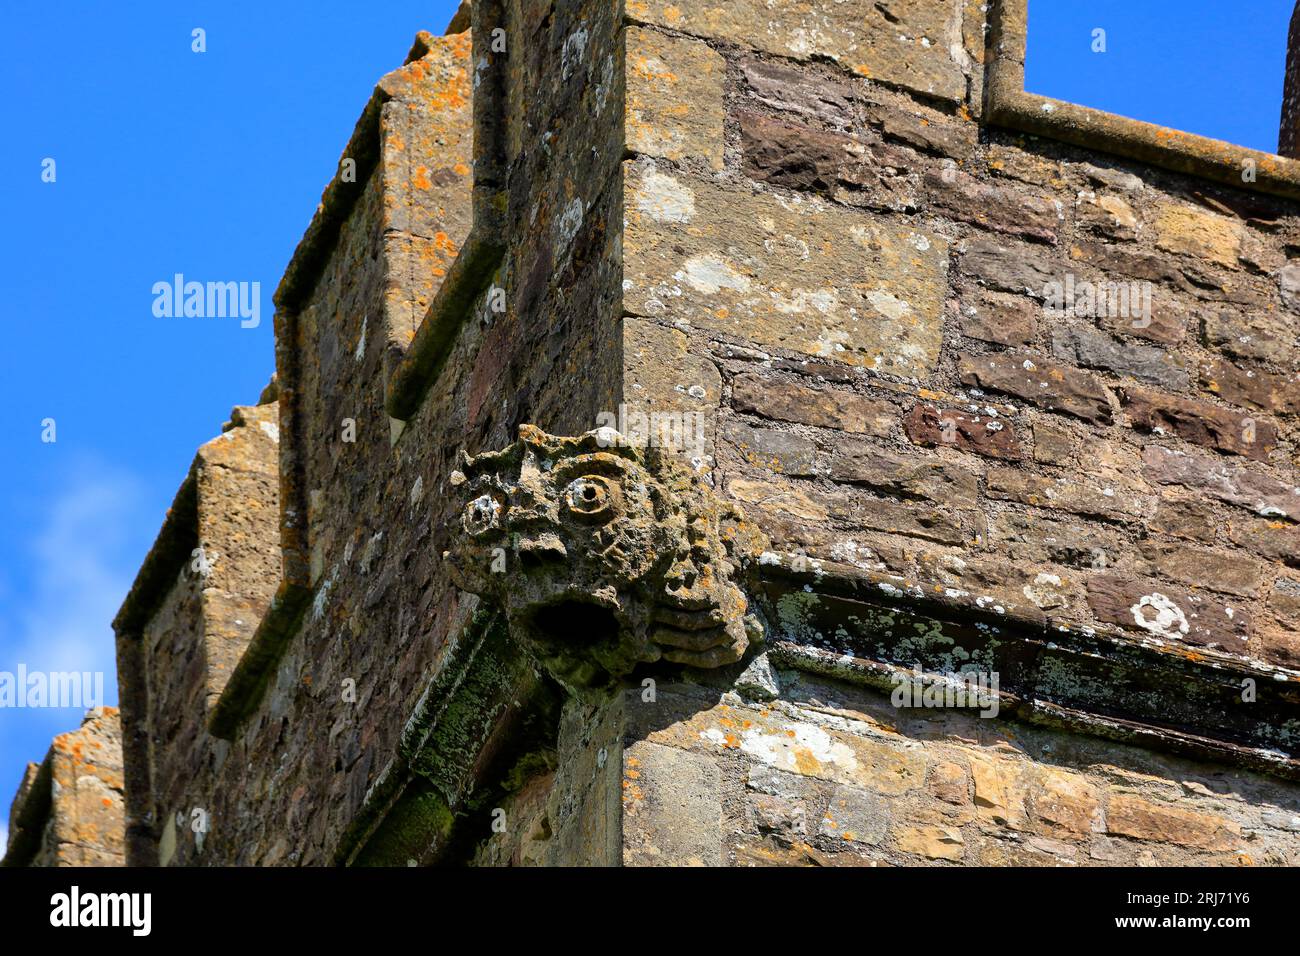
{"x": 574, "y": 621}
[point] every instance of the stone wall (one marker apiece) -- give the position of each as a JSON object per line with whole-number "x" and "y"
{"x": 190, "y": 617}
{"x": 828, "y": 774}
{"x": 1288, "y": 139}
{"x": 1055, "y": 385}
{"x": 69, "y": 808}
{"x": 998, "y": 403}
{"x": 914, "y": 327}
{"x": 306, "y": 739}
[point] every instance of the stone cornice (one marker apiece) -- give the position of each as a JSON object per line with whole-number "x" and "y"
{"x": 872, "y": 628}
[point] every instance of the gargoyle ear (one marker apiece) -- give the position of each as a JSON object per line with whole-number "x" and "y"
{"x": 743, "y": 539}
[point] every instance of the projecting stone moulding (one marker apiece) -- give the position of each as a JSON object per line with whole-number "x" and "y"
{"x": 1007, "y": 103}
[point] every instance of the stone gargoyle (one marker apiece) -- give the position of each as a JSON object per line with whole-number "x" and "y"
{"x": 603, "y": 555}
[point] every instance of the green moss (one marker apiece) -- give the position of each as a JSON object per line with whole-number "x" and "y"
{"x": 530, "y": 765}
{"x": 419, "y": 821}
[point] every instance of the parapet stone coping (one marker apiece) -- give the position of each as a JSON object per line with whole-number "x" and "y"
{"x": 1008, "y": 104}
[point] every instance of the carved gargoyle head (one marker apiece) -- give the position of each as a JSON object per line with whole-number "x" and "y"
{"x": 603, "y": 556}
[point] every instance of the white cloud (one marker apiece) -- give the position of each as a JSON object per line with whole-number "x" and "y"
{"x": 79, "y": 575}
{"x": 4, "y": 837}
{"x": 63, "y": 586}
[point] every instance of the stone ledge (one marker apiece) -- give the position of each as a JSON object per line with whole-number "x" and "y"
{"x": 1007, "y": 104}
{"x": 1099, "y": 681}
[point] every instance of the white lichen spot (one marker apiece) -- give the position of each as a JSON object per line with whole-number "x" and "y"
{"x": 1159, "y": 615}
{"x": 271, "y": 429}
{"x": 825, "y": 301}
{"x": 665, "y": 199}
{"x": 791, "y": 749}
{"x": 575, "y": 45}
{"x": 711, "y": 274}
{"x": 889, "y": 305}
{"x": 570, "y": 222}
{"x": 322, "y": 598}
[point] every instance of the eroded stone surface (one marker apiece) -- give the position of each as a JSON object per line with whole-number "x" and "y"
{"x": 69, "y": 810}
{"x": 902, "y": 42}
{"x": 603, "y": 555}
{"x": 814, "y": 278}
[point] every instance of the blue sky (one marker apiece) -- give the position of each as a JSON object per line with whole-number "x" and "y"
{"x": 166, "y": 160}
{"x": 1203, "y": 66}
{"x": 211, "y": 164}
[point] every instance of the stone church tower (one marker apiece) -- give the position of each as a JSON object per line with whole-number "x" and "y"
{"x": 744, "y": 434}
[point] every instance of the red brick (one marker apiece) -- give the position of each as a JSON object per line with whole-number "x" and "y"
{"x": 1199, "y": 422}
{"x": 983, "y": 434}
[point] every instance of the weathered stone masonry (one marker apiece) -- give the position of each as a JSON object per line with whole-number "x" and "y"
{"x": 1002, "y": 384}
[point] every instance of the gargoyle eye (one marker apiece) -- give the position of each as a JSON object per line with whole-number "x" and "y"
{"x": 482, "y": 515}
{"x": 592, "y": 496}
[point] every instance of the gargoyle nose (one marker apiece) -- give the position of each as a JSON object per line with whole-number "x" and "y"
{"x": 541, "y": 549}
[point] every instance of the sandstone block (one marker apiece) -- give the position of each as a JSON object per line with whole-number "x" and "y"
{"x": 1203, "y": 235}
{"x": 1066, "y": 805}
{"x": 1090, "y": 348}
{"x": 826, "y": 408}
{"x": 672, "y": 807}
{"x": 1269, "y": 537}
{"x": 1237, "y": 485}
{"x": 999, "y": 791}
{"x": 1261, "y": 337}
{"x": 1199, "y": 422}
{"x": 791, "y": 156}
{"x": 1170, "y": 613}
{"x": 766, "y": 448}
{"x": 1253, "y": 388}
{"x": 801, "y": 275}
{"x": 855, "y": 816}
{"x": 1229, "y": 573}
{"x": 1141, "y": 819}
{"x": 930, "y": 426}
{"x": 1009, "y": 268}
{"x": 1000, "y": 319}
{"x": 932, "y": 842}
{"x": 862, "y": 462}
{"x": 993, "y": 206}
{"x": 795, "y": 91}
{"x": 1107, "y": 215}
{"x": 901, "y": 43}
{"x": 1078, "y": 497}
{"x": 1040, "y": 381}
{"x": 674, "y": 97}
